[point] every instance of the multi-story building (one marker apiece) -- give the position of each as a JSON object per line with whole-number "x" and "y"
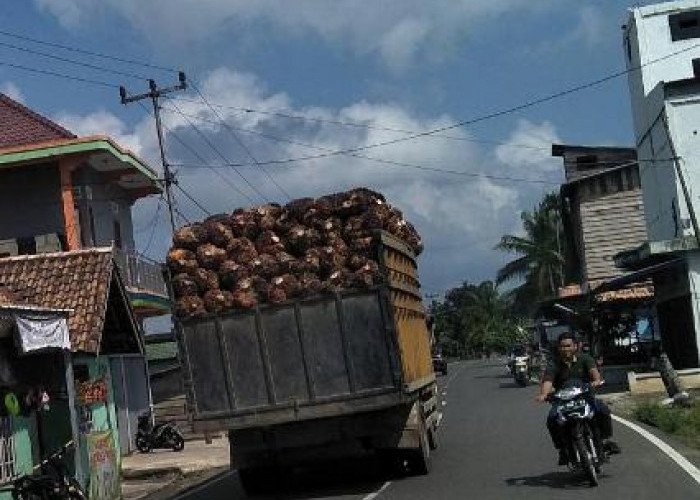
{"x": 62, "y": 192}
{"x": 662, "y": 48}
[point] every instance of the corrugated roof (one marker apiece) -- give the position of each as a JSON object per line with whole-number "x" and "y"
{"x": 78, "y": 280}
{"x": 21, "y": 125}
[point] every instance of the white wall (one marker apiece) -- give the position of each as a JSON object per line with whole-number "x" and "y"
{"x": 650, "y": 39}
{"x": 693, "y": 260}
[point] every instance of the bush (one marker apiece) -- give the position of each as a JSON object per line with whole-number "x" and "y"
{"x": 683, "y": 422}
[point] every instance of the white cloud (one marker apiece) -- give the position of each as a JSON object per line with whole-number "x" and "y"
{"x": 529, "y": 149}
{"x": 460, "y": 217}
{"x": 68, "y": 12}
{"x": 593, "y": 26}
{"x": 141, "y": 140}
{"x": 396, "y": 31}
{"x": 11, "y": 90}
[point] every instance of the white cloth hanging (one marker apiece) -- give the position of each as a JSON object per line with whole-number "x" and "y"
{"x": 41, "y": 331}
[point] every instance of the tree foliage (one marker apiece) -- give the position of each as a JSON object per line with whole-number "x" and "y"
{"x": 475, "y": 319}
{"x": 539, "y": 265}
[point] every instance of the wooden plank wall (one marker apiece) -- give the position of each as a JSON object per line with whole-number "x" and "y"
{"x": 611, "y": 224}
{"x": 409, "y": 315}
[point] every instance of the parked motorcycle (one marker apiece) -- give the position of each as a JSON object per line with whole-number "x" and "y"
{"x": 165, "y": 435}
{"x": 54, "y": 482}
{"x": 575, "y": 411}
{"x": 521, "y": 370}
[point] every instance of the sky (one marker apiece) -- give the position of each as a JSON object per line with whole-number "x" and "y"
{"x": 321, "y": 76}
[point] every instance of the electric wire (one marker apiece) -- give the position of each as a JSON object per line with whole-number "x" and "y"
{"x": 240, "y": 142}
{"x": 59, "y": 75}
{"x": 153, "y": 227}
{"x": 194, "y": 153}
{"x": 204, "y": 137}
{"x": 86, "y": 52}
{"x": 193, "y": 200}
{"x": 72, "y": 61}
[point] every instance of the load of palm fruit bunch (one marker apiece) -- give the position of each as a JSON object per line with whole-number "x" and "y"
{"x": 272, "y": 253}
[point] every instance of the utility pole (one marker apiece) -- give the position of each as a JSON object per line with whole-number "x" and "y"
{"x": 154, "y": 94}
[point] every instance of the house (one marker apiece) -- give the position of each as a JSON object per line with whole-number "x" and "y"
{"x": 602, "y": 215}
{"x": 97, "y": 383}
{"x": 663, "y": 56}
{"x": 62, "y": 192}
{"x": 67, "y": 246}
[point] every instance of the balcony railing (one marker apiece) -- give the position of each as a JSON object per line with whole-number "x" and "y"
{"x": 141, "y": 273}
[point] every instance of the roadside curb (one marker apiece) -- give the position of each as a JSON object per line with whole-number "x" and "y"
{"x": 680, "y": 460}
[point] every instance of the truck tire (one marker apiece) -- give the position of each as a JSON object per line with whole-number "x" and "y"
{"x": 433, "y": 441}
{"x": 419, "y": 460}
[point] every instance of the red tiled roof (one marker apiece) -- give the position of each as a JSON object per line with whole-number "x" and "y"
{"x": 78, "y": 280}
{"x": 21, "y": 125}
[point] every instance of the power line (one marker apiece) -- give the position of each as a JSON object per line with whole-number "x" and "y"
{"x": 153, "y": 226}
{"x": 218, "y": 152}
{"x": 495, "y": 114}
{"x": 72, "y": 61}
{"x": 194, "y": 153}
{"x": 87, "y": 52}
{"x": 362, "y": 125}
{"x": 241, "y": 143}
{"x": 371, "y": 158}
{"x": 193, "y": 200}
{"x": 59, "y": 75}
{"x": 182, "y": 216}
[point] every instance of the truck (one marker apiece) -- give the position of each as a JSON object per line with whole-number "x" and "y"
{"x": 318, "y": 378}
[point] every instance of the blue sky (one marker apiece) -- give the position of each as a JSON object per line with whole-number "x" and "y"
{"x": 401, "y": 64}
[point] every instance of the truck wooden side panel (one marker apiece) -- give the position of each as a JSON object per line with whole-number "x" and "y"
{"x": 295, "y": 357}
{"x": 408, "y": 311}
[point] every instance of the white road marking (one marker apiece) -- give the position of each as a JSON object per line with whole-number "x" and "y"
{"x": 374, "y": 495}
{"x": 680, "y": 460}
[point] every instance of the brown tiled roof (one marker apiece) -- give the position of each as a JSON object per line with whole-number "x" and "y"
{"x": 77, "y": 280}
{"x": 21, "y": 125}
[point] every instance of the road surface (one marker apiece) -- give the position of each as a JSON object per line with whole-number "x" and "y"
{"x": 493, "y": 446}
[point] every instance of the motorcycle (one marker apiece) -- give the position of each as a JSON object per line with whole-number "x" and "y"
{"x": 165, "y": 435}
{"x": 521, "y": 370}
{"x": 575, "y": 411}
{"x": 53, "y": 483}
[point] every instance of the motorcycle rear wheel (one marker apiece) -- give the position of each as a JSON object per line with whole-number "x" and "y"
{"x": 143, "y": 445}
{"x": 587, "y": 461}
{"x": 178, "y": 443}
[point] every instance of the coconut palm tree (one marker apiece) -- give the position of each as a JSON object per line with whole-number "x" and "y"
{"x": 540, "y": 258}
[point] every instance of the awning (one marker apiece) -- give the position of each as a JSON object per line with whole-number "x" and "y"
{"x": 636, "y": 276}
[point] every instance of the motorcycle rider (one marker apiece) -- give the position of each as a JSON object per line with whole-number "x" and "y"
{"x": 574, "y": 365}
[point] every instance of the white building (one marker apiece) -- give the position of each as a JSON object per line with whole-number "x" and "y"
{"x": 661, "y": 44}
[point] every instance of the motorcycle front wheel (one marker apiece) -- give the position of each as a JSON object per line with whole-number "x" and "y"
{"x": 586, "y": 458}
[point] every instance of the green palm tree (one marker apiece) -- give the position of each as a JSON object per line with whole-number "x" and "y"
{"x": 540, "y": 257}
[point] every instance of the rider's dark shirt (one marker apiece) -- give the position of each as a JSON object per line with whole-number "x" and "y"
{"x": 559, "y": 372}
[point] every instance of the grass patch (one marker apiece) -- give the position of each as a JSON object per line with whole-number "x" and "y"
{"x": 681, "y": 422}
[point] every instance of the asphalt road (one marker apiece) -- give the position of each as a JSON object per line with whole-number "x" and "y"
{"x": 493, "y": 445}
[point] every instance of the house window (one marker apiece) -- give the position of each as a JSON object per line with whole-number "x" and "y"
{"x": 685, "y": 25}
{"x": 7, "y": 450}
